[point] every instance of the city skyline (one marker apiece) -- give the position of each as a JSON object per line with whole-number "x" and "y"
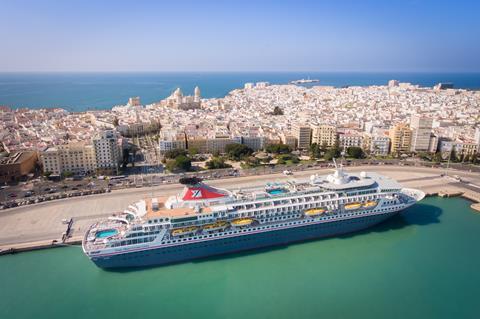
{"x": 211, "y": 36}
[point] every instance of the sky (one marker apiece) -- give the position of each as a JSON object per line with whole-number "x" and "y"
{"x": 140, "y": 35}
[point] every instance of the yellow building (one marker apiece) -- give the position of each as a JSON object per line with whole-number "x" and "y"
{"x": 197, "y": 143}
{"x": 400, "y": 138}
{"x": 76, "y": 158}
{"x": 324, "y": 135}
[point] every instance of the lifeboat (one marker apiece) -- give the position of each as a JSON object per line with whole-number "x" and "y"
{"x": 215, "y": 226}
{"x": 314, "y": 212}
{"x": 184, "y": 231}
{"x": 352, "y": 206}
{"x": 241, "y": 222}
{"x": 370, "y": 204}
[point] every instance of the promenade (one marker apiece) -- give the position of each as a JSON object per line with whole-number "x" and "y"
{"x": 42, "y": 223}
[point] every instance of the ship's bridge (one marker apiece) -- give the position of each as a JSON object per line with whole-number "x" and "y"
{"x": 340, "y": 180}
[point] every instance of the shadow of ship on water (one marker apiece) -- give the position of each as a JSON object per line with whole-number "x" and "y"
{"x": 417, "y": 215}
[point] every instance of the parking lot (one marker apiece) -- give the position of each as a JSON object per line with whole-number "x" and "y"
{"x": 41, "y": 189}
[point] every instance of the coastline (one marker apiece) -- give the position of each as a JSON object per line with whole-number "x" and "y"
{"x": 83, "y": 91}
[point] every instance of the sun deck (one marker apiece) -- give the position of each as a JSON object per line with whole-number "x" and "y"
{"x": 164, "y": 212}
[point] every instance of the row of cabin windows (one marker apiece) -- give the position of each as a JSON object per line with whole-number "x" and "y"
{"x": 259, "y": 228}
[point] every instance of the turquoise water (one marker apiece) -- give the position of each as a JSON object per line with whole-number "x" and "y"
{"x": 106, "y": 233}
{"x": 422, "y": 264}
{"x": 82, "y": 91}
{"x": 276, "y": 191}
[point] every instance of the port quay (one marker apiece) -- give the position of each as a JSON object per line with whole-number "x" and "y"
{"x": 64, "y": 221}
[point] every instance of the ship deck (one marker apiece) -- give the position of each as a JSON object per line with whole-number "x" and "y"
{"x": 163, "y": 212}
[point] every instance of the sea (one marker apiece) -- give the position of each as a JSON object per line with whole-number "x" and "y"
{"x": 94, "y": 91}
{"x": 423, "y": 263}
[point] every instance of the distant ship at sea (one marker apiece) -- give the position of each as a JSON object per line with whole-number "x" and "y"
{"x": 304, "y": 81}
{"x": 204, "y": 221}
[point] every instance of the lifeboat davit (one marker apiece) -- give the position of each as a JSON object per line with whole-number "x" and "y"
{"x": 370, "y": 204}
{"x": 314, "y": 212}
{"x": 242, "y": 222}
{"x": 220, "y": 225}
{"x": 184, "y": 231}
{"x": 352, "y": 206}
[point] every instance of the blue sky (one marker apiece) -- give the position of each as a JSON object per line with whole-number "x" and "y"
{"x": 178, "y": 35}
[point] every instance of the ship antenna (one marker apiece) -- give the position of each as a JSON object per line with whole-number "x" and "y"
{"x": 335, "y": 163}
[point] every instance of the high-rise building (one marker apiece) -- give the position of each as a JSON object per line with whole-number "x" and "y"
{"x": 108, "y": 151}
{"x": 400, "y": 138}
{"x": 421, "y": 133}
{"x": 74, "y": 158}
{"x": 324, "y": 135}
{"x": 303, "y": 135}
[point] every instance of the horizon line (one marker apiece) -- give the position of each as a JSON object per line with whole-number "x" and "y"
{"x": 243, "y": 71}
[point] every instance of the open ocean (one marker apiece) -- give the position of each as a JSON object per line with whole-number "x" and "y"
{"x": 86, "y": 91}
{"x": 424, "y": 263}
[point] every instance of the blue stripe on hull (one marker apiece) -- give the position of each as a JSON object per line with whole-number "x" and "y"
{"x": 175, "y": 254}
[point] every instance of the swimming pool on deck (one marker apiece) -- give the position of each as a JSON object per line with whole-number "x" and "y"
{"x": 106, "y": 233}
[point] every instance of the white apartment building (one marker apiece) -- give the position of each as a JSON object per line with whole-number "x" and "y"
{"x": 421, "y": 133}
{"x": 171, "y": 140}
{"x": 324, "y": 135}
{"x": 78, "y": 159}
{"x": 108, "y": 152}
{"x": 380, "y": 145}
{"x": 349, "y": 139}
{"x": 256, "y": 143}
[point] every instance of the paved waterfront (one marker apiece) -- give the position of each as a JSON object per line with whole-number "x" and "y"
{"x": 43, "y": 221}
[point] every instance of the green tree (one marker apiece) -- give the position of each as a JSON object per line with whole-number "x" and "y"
{"x": 474, "y": 158}
{"x": 332, "y": 152}
{"x": 437, "y": 157}
{"x": 67, "y": 174}
{"x": 252, "y": 161}
{"x": 315, "y": 151}
{"x": 217, "y": 162}
{"x": 192, "y": 151}
{"x": 173, "y": 154}
{"x": 453, "y": 155}
{"x": 278, "y": 148}
{"x": 277, "y": 111}
{"x": 287, "y": 159}
{"x": 355, "y": 152}
{"x": 180, "y": 163}
{"x": 238, "y": 151}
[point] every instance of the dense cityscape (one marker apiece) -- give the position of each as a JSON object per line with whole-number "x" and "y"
{"x": 398, "y": 119}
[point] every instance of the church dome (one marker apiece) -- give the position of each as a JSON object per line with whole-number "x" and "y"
{"x": 178, "y": 92}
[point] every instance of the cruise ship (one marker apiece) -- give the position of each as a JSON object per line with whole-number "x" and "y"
{"x": 203, "y": 221}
